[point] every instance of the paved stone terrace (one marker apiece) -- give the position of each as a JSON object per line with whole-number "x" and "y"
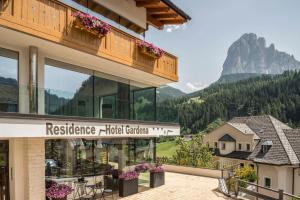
{"x": 182, "y": 187}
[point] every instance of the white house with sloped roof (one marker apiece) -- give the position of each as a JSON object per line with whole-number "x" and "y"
{"x": 267, "y": 144}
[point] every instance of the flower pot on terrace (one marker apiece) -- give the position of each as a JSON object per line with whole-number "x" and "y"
{"x": 146, "y": 52}
{"x": 128, "y": 187}
{"x": 77, "y": 24}
{"x": 157, "y": 179}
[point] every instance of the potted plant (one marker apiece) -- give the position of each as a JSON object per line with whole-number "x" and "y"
{"x": 141, "y": 168}
{"x": 56, "y": 191}
{"x": 128, "y": 183}
{"x": 157, "y": 176}
{"x": 91, "y": 24}
{"x": 150, "y": 49}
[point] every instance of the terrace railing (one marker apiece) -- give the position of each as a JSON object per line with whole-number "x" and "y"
{"x": 262, "y": 192}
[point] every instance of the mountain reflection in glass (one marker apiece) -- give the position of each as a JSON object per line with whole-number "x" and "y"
{"x": 73, "y": 91}
{"x": 68, "y": 92}
{"x": 8, "y": 81}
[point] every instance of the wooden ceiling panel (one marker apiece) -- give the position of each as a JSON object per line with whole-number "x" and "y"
{"x": 162, "y": 12}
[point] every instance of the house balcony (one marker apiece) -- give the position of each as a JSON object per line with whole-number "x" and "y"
{"x": 52, "y": 21}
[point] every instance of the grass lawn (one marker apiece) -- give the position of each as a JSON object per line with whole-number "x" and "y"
{"x": 166, "y": 149}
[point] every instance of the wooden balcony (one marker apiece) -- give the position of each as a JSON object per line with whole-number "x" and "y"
{"x": 53, "y": 21}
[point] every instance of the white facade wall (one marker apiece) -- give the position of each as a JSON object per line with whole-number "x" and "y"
{"x": 128, "y": 10}
{"x": 297, "y": 181}
{"x": 27, "y": 168}
{"x": 240, "y": 138}
{"x": 229, "y": 147}
{"x": 34, "y": 168}
{"x": 281, "y": 178}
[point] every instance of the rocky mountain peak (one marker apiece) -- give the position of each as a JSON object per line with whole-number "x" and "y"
{"x": 250, "y": 54}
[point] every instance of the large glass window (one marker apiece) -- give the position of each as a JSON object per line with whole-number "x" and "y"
{"x": 82, "y": 157}
{"x": 111, "y": 97}
{"x": 68, "y": 90}
{"x": 76, "y": 158}
{"x": 72, "y": 91}
{"x": 9, "y": 91}
{"x": 141, "y": 151}
{"x": 143, "y": 103}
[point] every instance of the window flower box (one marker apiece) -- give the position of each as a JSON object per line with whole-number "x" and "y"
{"x": 149, "y": 49}
{"x": 90, "y": 24}
{"x": 157, "y": 177}
{"x": 128, "y": 183}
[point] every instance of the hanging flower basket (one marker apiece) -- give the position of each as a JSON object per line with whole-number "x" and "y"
{"x": 91, "y": 24}
{"x": 149, "y": 49}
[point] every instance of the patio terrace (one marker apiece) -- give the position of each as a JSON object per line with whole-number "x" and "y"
{"x": 180, "y": 187}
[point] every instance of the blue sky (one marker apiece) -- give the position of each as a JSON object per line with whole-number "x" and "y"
{"x": 202, "y": 44}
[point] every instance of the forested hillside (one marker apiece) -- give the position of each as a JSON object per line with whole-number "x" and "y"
{"x": 277, "y": 95}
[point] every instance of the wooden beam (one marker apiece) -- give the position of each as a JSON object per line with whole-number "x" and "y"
{"x": 158, "y": 10}
{"x": 165, "y": 16}
{"x": 147, "y": 3}
{"x": 172, "y": 21}
{"x": 154, "y": 22}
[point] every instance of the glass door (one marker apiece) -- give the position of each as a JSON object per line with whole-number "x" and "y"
{"x": 4, "y": 170}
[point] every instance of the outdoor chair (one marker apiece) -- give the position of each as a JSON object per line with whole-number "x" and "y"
{"x": 107, "y": 192}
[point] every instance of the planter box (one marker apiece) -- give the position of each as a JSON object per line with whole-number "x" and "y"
{"x": 157, "y": 179}
{"x": 144, "y": 51}
{"x": 128, "y": 187}
{"x": 77, "y": 24}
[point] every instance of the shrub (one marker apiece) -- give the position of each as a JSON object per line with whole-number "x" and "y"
{"x": 246, "y": 173}
{"x": 193, "y": 153}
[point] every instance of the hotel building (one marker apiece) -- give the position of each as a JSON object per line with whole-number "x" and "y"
{"x": 73, "y": 102}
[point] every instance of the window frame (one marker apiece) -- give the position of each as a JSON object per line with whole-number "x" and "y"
{"x": 265, "y": 179}
{"x": 240, "y": 146}
{"x": 248, "y": 149}
{"x": 4, "y": 52}
{"x": 223, "y": 146}
{"x": 216, "y": 145}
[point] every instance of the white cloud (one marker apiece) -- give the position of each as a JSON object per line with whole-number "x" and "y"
{"x": 172, "y": 28}
{"x": 192, "y": 87}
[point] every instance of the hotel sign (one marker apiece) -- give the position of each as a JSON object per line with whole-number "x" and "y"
{"x": 72, "y": 129}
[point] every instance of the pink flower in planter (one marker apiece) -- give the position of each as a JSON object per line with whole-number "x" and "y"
{"x": 92, "y": 23}
{"x": 130, "y": 175}
{"x": 151, "y": 48}
{"x": 157, "y": 169}
{"x": 142, "y": 167}
{"x": 58, "y": 192}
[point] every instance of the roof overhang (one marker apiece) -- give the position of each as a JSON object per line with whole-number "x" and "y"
{"x": 163, "y": 12}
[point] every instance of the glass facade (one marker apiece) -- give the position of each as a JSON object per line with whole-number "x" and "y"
{"x": 81, "y": 157}
{"x": 75, "y": 91}
{"x": 9, "y": 90}
{"x": 72, "y": 91}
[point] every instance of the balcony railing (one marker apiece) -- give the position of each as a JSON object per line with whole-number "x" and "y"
{"x": 53, "y": 21}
